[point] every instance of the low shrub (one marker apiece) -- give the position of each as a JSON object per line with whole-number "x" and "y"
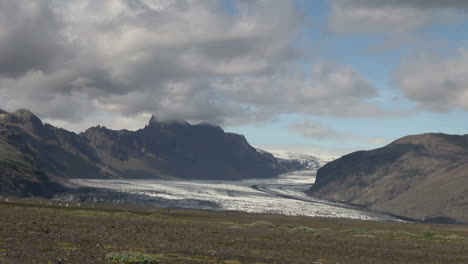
{"x": 364, "y": 236}
{"x": 428, "y": 233}
{"x": 304, "y": 229}
{"x": 264, "y": 224}
{"x": 129, "y": 257}
{"x": 450, "y": 237}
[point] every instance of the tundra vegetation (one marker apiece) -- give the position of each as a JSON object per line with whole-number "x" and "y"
{"x": 42, "y": 231}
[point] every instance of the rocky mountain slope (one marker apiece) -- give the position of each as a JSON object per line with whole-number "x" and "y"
{"x": 423, "y": 177}
{"x": 35, "y": 158}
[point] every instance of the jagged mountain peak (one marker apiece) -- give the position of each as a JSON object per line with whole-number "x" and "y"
{"x": 153, "y": 120}
{"x": 24, "y": 112}
{"x": 207, "y": 124}
{"x": 23, "y": 118}
{"x": 25, "y": 115}
{"x": 29, "y": 120}
{"x": 6, "y": 116}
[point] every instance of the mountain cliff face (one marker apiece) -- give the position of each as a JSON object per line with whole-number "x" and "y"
{"x": 423, "y": 177}
{"x": 35, "y": 158}
{"x": 180, "y": 150}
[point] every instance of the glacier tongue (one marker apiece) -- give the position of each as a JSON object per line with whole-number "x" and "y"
{"x": 283, "y": 195}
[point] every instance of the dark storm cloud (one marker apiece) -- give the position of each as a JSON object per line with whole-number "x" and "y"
{"x": 29, "y": 37}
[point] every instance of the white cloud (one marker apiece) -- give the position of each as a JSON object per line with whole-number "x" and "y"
{"x": 179, "y": 59}
{"x": 379, "y": 141}
{"x": 392, "y": 16}
{"x": 436, "y": 83}
{"x": 318, "y": 131}
{"x": 330, "y": 89}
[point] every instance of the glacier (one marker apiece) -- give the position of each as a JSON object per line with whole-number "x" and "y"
{"x": 284, "y": 195}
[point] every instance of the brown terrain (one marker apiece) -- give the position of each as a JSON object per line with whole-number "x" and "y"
{"x": 424, "y": 177}
{"x": 34, "y": 231}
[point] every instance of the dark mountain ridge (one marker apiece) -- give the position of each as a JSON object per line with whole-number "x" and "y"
{"x": 180, "y": 150}
{"x": 37, "y": 158}
{"x": 424, "y": 177}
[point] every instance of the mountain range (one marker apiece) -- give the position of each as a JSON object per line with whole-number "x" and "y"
{"x": 423, "y": 177}
{"x": 37, "y": 158}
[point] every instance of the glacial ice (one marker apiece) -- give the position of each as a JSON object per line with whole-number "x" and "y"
{"x": 283, "y": 195}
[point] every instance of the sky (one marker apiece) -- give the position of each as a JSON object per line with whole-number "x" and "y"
{"x": 324, "y": 77}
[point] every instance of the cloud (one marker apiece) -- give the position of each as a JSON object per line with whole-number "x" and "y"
{"x": 415, "y": 3}
{"x": 436, "y": 83}
{"x": 30, "y": 37}
{"x": 392, "y": 16}
{"x": 330, "y": 89}
{"x": 379, "y": 141}
{"x": 318, "y": 131}
{"x": 69, "y": 61}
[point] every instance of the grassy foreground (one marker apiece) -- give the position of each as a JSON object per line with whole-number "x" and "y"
{"x": 32, "y": 231}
